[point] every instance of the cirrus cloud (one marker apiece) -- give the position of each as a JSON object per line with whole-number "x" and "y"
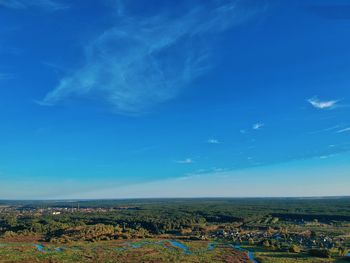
{"x": 344, "y": 130}
{"x": 144, "y": 61}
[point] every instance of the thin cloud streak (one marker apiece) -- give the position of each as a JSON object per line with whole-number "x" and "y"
{"x": 142, "y": 62}
{"x": 185, "y": 161}
{"x": 326, "y": 129}
{"x": 344, "y": 130}
{"x": 318, "y": 104}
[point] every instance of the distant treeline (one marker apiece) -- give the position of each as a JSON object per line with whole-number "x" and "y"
{"x": 239, "y": 206}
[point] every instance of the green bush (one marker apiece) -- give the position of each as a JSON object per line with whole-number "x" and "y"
{"x": 294, "y": 249}
{"x": 274, "y": 220}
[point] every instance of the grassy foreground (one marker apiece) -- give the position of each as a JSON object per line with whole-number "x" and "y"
{"x": 119, "y": 251}
{"x": 147, "y": 251}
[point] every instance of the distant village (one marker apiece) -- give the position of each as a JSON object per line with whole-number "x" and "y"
{"x": 306, "y": 239}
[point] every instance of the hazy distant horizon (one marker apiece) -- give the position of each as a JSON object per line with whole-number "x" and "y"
{"x": 174, "y": 198}
{"x": 273, "y": 181}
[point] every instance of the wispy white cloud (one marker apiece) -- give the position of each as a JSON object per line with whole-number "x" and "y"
{"x": 213, "y": 141}
{"x": 218, "y": 172}
{"x": 144, "y": 61}
{"x": 326, "y": 129}
{"x": 318, "y": 104}
{"x": 23, "y": 4}
{"x": 344, "y": 130}
{"x": 185, "y": 161}
{"x": 188, "y": 177}
{"x": 326, "y": 156}
{"x": 258, "y": 126}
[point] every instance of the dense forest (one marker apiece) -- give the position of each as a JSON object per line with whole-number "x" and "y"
{"x": 64, "y": 221}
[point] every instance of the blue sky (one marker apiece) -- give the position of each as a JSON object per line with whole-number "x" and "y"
{"x": 119, "y": 99}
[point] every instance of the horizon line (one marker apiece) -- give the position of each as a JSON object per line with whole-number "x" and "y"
{"x": 160, "y": 198}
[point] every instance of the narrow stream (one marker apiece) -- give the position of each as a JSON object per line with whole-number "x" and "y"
{"x": 185, "y": 249}
{"x": 42, "y": 248}
{"x": 250, "y": 254}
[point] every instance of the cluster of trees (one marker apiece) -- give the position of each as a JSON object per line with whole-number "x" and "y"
{"x": 99, "y": 226}
{"x": 87, "y": 233}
